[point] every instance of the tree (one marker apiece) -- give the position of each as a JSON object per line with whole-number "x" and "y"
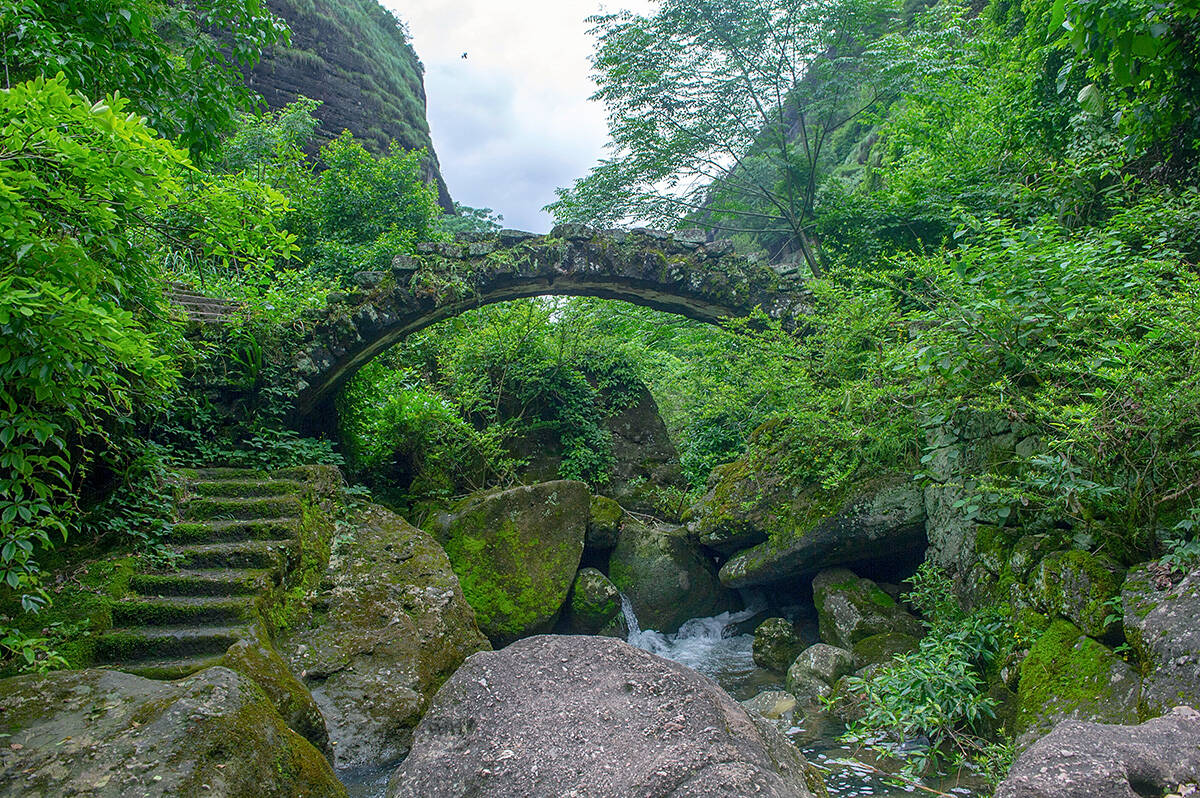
{"x": 730, "y": 110}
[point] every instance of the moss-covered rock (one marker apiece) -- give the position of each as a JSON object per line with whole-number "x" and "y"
{"x": 881, "y": 648}
{"x": 667, "y": 579}
{"x": 1069, "y": 675}
{"x": 604, "y": 524}
{"x": 258, "y": 660}
{"x": 1078, "y": 586}
{"x": 516, "y": 553}
{"x": 106, "y": 733}
{"x": 594, "y": 606}
{"x": 776, "y": 644}
{"x": 1161, "y": 626}
{"x": 851, "y": 608}
{"x": 821, "y": 661}
{"x": 391, "y": 624}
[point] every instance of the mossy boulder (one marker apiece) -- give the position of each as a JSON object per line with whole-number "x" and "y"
{"x": 593, "y": 606}
{"x": 773, "y": 705}
{"x": 1078, "y": 586}
{"x": 822, "y": 661}
{"x": 390, "y": 625}
{"x": 776, "y": 644}
{"x": 667, "y": 579}
{"x": 516, "y": 553}
{"x": 1161, "y": 626}
{"x": 258, "y": 660}
{"x": 1069, "y": 675}
{"x": 106, "y": 733}
{"x": 851, "y": 608}
{"x": 882, "y": 648}
{"x": 820, "y": 531}
{"x": 604, "y": 524}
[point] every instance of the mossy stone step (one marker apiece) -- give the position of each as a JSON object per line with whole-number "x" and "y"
{"x": 246, "y": 488}
{"x": 265, "y": 554}
{"x": 181, "y": 610}
{"x": 170, "y": 668}
{"x": 133, "y": 644}
{"x": 221, "y": 473}
{"x": 217, "y": 531}
{"x": 243, "y": 509}
{"x": 203, "y": 582}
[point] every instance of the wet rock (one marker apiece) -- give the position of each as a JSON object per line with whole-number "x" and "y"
{"x": 594, "y": 606}
{"x": 593, "y": 716}
{"x": 107, "y": 733}
{"x": 1161, "y": 627}
{"x": 851, "y": 608}
{"x": 604, "y": 524}
{"x": 815, "y": 671}
{"x": 1069, "y": 675}
{"x": 1094, "y": 760}
{"x": 666, "y": 578}
{"x": 882, "y": 648}
{"x": 395, "y": 626}
{"x": 773, "y": 705}
{"x": 516, "y": 553}
{"x": 776, "y": 644}
{"x": 1077, "y": 586}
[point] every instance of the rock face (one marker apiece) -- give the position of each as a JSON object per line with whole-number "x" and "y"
{"x": 354, "y": 57}
{"x": 886, "y": 518}
{"x": 850, "y": 609}
{"x": 665, "y": 577}
{"x": 1090, "y": 760}
{"x": 776, "y": 644}
{"x": 1076, "y": 585}
{"x": 593, "y": 716}
{"x": 645, "y": 459}
{"x": 1161, "y": 627}
{"x": 1069, "y": 675}
{"x": 516, "y": 553}
{"x": 106, "y": 733}
{"x": 392, "y": 626}
{"x": 594, "y": 606}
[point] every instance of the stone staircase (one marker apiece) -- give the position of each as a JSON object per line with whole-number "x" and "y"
{"x": 237, "y": 541}
{"x": 201, "y": 308}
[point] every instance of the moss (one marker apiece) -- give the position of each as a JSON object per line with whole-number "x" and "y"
{"x": 604, "y": 513}
{"x": 1078, "y": 586}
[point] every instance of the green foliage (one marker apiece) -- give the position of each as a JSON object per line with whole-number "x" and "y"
{"x": 162, "y": 56}
{"x": 471, "y": 220}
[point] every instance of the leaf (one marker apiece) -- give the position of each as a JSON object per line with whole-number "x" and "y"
{"x": 1091, "y": 99}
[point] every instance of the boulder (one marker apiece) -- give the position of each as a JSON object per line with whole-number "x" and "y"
{"x": 666, "y": 578}
{"x": 604, "y": 524}
{"x": 1077, "y": 586}
{"x": 776, "y": 644}
{"x": 645, "y": 462}
{"x": 1069, "y": 675}
{"x": 516, "y": 552}
{"x": 880, "y": 518}
{"x": 594, "y": 607}
{"x": 773, "y": 705}
{"x": 106, "y": 733}
{"x": 568, "y": 715}
{"x": 392, "y": 625}
{"x": 1090, "y": 760}
{"x": 1160, "y": 625}
{"x": 882, "y": 648}
{"x": 851, "y": 608}
{"x": 823, "y": 661}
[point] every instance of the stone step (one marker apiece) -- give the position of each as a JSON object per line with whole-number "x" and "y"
{"x": 245, "y": 488}
{"x": 203, "y": 582}
{"x": 138, "y": 643}
{"x": 217, "y": 531}
{"x": 176, "y": 610}
{"x": 265, "y": 554}
{"x": 170, "y": 668}
{"x": 243, "y": 509}
{"x": 218, "y": 473}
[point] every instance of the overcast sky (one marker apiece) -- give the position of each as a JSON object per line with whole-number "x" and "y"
{"x": 511, "y": 122}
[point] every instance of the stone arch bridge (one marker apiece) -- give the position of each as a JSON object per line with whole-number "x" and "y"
{"x": 682, "y": 274}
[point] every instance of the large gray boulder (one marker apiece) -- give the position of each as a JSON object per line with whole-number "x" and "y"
{"x": 851, "y": 608}
{"x": 1161, "y": 626}
{"x": 102, "y": 733}
{"x": 1094, "y": 760}
{"x": 565, "y": 715}
{"x": 516, "y": 552}
{"x": 392, "y": 626}
{"x": 667, "y": 579}
{"x": 887, "y": 517}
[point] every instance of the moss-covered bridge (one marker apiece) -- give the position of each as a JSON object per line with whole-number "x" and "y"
{"x": 682, "y": 274}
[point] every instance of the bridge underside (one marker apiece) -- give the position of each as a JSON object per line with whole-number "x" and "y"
{"x": 691, "y": 278}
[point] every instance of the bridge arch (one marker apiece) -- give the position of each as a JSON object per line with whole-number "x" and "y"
{"x": 684, "y": 275}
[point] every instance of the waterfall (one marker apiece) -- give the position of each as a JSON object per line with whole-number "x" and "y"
{"x": 631, "y": 620}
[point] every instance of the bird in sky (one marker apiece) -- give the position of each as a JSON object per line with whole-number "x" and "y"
{"x": 464, "y": 55}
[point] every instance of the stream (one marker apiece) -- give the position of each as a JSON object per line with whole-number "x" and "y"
{"x": 720, "y": 648}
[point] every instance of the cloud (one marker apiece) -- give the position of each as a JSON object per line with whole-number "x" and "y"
{"x": 512, "y": 121}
